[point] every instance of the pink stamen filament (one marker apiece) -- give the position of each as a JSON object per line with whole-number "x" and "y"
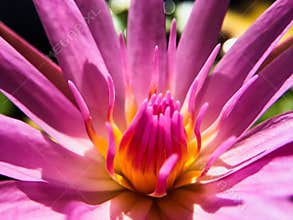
{"x": 123, "y": 53}
{"x": 172, "y": 56}
{"x": 164, "y": 173}
{"x": 204, "y": 71}
{"x": 217, "y": 153}
{"x": 155, "y": 143}
{"x": 191, "y": 99}
{"x": 84, "y": 111}
{"x": 130, "y": 102}
{"x": 227, "y": 109}
{"x": 197, "y": 132}
{"x": 156, "y": 133}
{"x": 155, "y": 72}
{"x": 79, "y": 101}
{"x": 198, "y": 82}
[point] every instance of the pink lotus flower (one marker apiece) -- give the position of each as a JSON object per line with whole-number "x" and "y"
{"x": 178, "y": 142}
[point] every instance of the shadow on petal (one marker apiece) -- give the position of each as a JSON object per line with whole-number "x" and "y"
{"x": 192, "y": 201}
{"x": 205, "y": 200}
{"x": 95, "y": 93}
{"x": 58, "y": 198}
{"x": 235, "y": 178}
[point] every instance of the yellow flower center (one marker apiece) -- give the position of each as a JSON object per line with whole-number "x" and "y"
{"x": 156, "y": 149}
{"x": 163, "y": 139}
{"x": 155, "y": 134}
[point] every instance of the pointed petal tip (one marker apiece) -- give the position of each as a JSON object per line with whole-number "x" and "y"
{"x": 79, "y": 100}
{"x": 164, "y": 173}
{"x": 218, "y": 152}
{"x": 217, "y": 48}
{"x": 121, "y": 37}
{"x": 198, "y": 121}
{"x": 111, "y": 90}
{"x": 173, "y": 23}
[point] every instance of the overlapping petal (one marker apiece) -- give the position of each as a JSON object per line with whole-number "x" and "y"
{"x": 77, "y": 53}
{"x": 40, "y": 100}
{"x": 260, "y": 141}
{"x": 56, "y": 183}
{"x": 146, "y": 29}
{"x": 273, "y": 81}
{"x": 245, "y": 57}
{"x": 249, "y": 193}
{"x": 99, "y": 20}
{"x": 197, "y": 41}
{"x": 238, "y": 115}
{"x": 39, "y": 60}
{"x": 13, "y": 200}
{"x": 126, "y": 205}
{"x": 278, "y": 50}
{"x": 44, "y": 201}
{"x": 29, "y": 155}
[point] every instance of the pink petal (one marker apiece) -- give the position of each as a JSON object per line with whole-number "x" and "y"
{"x": 28, "y": 200}
{"x": 274, "y": 80}
{"x": 172, "y": 56}
{"x": 40, "y": 100}
{"x": 259, "y": 142}
{"x": 27, "y": 154}
{"x": 146, "y": 29}
{"x": 16, "y": 204}
{"x": 99, "y": 20}
{"x": 39, "y": 60}
{"x": 197, "y": 42}
{"x": 218, "y": 152}
{"x": 77, "y": 53}
{"x": 126, "y": 205}
{"x": 164, "y": 173}
{"x": 257, "y": 177}
{"x": 199, "y": 80}
{"x": 264, "y": 187}
{"x": 279, "y": 49}
{"x": 245, "y": 57}
{"x": 263, "y": 190}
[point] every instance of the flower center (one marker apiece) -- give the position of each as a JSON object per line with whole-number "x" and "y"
{"x": 159, "y": 149}
{"x": 155, "y": 134}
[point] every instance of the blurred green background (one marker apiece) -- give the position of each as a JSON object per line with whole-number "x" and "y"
{"x": 21, "y": 17}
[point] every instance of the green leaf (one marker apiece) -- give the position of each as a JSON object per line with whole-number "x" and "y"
{"x": 284, "y": 104}
{"x": 5, "y": 105}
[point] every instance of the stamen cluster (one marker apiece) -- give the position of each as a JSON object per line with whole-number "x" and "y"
{"x": 156, "y": 133}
